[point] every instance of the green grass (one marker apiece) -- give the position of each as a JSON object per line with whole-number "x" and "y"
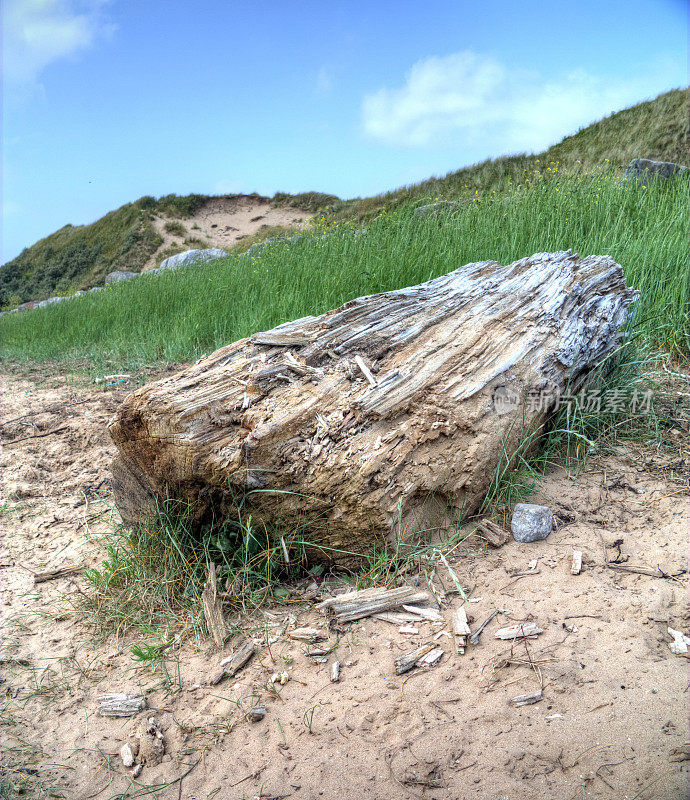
{"x": 79, "y": 257}
{"x": 153, "y": 576}
{"x": 182, "y": 315}
{"x": 175, "y": 227}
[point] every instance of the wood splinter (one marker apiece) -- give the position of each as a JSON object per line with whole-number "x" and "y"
{"x": 408, "y": 661}
{"x": 474, "y": 639}
{"x": 233, "y": 664}
{"x": 461, "y": 629}
{"x": 576, "y": 566}
{"x": 527, "y": 699}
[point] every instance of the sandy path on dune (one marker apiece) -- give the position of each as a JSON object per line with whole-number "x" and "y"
{"x": 225, "y": 221}
{"x": 614, "y": 694}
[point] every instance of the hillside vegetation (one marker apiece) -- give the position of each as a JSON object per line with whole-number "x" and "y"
{"x": 171, "y": 317}
{"x": 77, "y": 257}
{"x": 657, "y": 129}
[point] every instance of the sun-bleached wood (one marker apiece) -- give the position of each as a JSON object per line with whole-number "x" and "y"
{"x": 378, "y": 419}
{"x": 365, "y": 602}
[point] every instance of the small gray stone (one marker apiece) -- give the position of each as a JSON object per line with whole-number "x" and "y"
{"x": 644, "y": 169}
{"x": 120, "y": 275}
{"x": 531, "y": 523}
{"x": 257, "y": 713}
{"x": 191, "y": 257}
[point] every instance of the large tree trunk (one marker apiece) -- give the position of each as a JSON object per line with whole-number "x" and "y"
{"x": 378, "y": 418}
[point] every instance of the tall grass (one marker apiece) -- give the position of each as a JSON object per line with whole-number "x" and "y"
{"x": 183, "y": 314}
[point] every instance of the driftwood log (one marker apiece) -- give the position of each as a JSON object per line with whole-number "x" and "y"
{"x": 380, "y": 418}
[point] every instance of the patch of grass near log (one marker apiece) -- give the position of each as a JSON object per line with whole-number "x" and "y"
{"x": 631, "y": 398}
{"x": 184, "y": 314}
{"x": 152, "y": 577}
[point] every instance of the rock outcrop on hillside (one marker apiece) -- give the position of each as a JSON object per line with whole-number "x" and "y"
{"x": 378, "y": 419}
{"x": 190, "y": 257}
{"x": 120, "y": 275}
{"x": 644, "y": 169}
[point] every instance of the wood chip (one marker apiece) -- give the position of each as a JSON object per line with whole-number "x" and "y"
{"x": 398, "y": 617}
{"x": 63, "y": 572}
{"x": 493, "y": 534}
{"x": 526, "y": 630}
{"x": 127, "y": 755}
{"x": 527, "y": 699}
{"x": 307, "y": 634}
{"x": 680, "y": 642}
{"x": 408, "y": 661}
{"x": 426, "y": 613}
{"x": 233, "y": 664}
{"x": 431, "y": 658}
{"x": 357, "y": 605}
{"x": 459, "y": 621}
{"x": 576, "y": 566}
{"x": 474, "y": 639}
{"x": 213, "y": 608}
{"x": 408, "y": 629}
{"x": 461, "y": 629}
{"x": 121, "y": 705}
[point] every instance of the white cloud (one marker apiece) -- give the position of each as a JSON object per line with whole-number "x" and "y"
{"x": 38, "y": 32}
{"x": 472, "y": 99}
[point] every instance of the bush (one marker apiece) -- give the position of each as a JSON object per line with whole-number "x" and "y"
{"x": 176, "y": 228}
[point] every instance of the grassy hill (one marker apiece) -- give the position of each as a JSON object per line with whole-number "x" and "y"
{"x": 656, "y": 129}
{"x": 77, "y": 257}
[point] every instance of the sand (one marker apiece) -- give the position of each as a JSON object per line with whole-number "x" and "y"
{"x": 615, "y": 696}
{"x": 223, "y": 222}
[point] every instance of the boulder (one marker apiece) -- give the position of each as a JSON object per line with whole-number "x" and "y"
{"x": 50, "y": 301}
{"x": 643, "y": 169}
{"x": 120, "y": 275}
{"x": 191, "y": 257}
{"x": 376, "y": 420}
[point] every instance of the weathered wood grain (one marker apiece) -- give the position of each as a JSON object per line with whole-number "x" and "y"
{"x": 369, "y": 422}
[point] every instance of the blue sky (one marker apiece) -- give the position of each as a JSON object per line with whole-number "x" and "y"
{"x": 108, "y": 100}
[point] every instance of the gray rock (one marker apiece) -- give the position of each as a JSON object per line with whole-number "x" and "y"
{"x": 434, "y": 209}
{"x": 120, "y": 275}
{"x": 50, "y": 301}
{"x": 96, "y": 289}
{"x": 643, "y": 169}
{"x": 531, "y": 523}
{"x": 191, "y": 257}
